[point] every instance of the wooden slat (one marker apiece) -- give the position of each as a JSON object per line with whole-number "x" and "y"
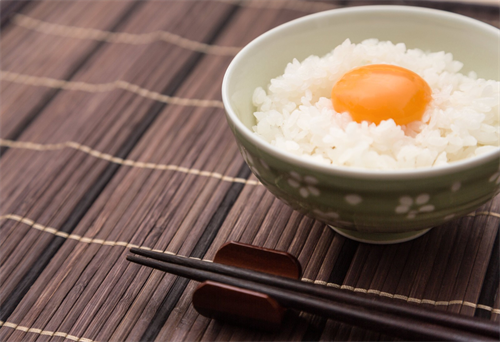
{"x": 396, "y": 274}
{"x": 421, "y": 269}
{"x": 30, "y": 52}
{"x": 114, "y": 131}
{"x": 219, "y": 75}
{"x": 9, "y": 9}
{"x": 78, "y": 125}
{"x": 496, "y": 316}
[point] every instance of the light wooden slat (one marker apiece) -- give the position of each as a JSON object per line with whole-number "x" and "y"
{"x": 180, "y": 53}
{"x": 46, "y": 55}
{"x": 115, "y": 141}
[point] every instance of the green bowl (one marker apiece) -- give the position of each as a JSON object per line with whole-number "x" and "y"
{"x": 365, "y": 205}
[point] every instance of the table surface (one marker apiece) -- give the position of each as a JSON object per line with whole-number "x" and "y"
{"x": 113, "y": 135}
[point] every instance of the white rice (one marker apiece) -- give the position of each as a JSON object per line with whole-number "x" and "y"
{"x": 296, "y": 114}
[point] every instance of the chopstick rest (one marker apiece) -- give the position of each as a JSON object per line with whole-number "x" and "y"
{"x": 242, "y": 306}
{"x": 405, "y": 321}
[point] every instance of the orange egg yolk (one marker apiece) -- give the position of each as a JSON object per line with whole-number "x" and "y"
{"x": 381, "y": 92}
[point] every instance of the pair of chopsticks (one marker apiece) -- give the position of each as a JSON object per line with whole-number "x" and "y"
{"x": 401, "y": 320}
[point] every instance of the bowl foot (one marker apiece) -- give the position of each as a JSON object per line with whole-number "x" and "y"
{"x": 380, "y": 238}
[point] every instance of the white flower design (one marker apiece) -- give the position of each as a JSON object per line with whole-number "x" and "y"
{"x": 353, "y": 199}
{"x": 304, "y": 184}
{"x": 406, "y": 203}
{"x": 330, "y": 216}
{"x": 495, "y": 177}
{"x": 327, "y": 216}
{"x": 456, "y": 186}
{"x": 251, "y": 162}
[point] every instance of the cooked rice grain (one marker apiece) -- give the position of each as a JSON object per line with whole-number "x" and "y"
{"x": 295, "y": 113}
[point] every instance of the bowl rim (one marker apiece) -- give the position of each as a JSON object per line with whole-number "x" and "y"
{"x": 348, "y": 171}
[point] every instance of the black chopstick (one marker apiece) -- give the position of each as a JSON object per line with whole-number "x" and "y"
{"x": 397, "y": 326}
{"x": 446, "y": 319}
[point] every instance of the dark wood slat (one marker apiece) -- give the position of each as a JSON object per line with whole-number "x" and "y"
{"x": 66, "y": 227}
{"x": 491, "y": 280}
{"x": 9, "y": 8}
{"x": 102, "y": 268}
{"x": 28, "y": 102}
{"x": 479, "y": 6}
{"x": 338, "y": 274}
{"x": 108, "y": 64}
{"x": 240, "y": 159}
{"x": 180, "y": 79}
{"x": 416, "y": 274}
{"x": 241, "y": 232}
{"x": 171, "y": 223}
{"x": 131, "y": 229}
{"x": 170, "y": 300}
{"x": 496, "y": 316}
{"x": 348, "y": 331}
{"x": 235, "y": 232}
{"x": 294, "y": 293}
{"x": 34, "y": 169}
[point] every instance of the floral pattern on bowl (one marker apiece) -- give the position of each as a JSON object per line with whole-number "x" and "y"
{"x": 365, "y": 205}
{"x": 361, "y": 205}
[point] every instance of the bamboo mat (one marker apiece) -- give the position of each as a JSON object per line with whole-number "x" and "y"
{"x": 113, "y": 135}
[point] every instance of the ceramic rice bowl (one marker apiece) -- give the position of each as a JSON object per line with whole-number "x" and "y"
{"x": 366, "y": 205}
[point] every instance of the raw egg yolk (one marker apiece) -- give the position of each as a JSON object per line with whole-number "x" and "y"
{"x": 380, "y": 92}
